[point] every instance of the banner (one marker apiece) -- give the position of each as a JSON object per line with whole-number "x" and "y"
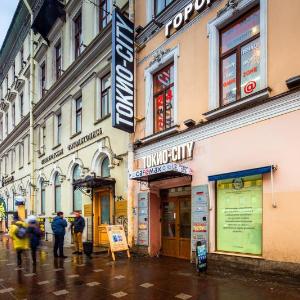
{"x": 239, "y": 215}
{"x": 122, "y": 72}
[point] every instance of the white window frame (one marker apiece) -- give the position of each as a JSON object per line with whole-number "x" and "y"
{"x": 43, "y": 62}
{"x": 56, "y": 128}
{"x": 214, "y": 27}
{"x": 167, "y": 58}
{"x": 73, "y": 15}
{"x": 73, "y": 112}
{"x": 57, "y": 39}
{"x": 21, "y": 154}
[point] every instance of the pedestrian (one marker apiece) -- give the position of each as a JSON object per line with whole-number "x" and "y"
{"x": 58, "y": 226}
{"x": 18, "y": 233}
{"x": 78, "y": 226}
{"x": 34, "y": 234}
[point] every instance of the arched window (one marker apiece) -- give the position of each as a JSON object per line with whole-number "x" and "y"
{"x": 43, "y": 196}
{"x": 77, "y": 196}
{"x": 57, "y": 193}
{"x": 105, "y": 171}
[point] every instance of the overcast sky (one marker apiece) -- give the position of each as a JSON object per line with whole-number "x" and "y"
{"x": 7, "y": 10}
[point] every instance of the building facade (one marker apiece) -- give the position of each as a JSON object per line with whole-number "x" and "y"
{"x": 215, "y": 145}
{"x": 80, "y": 161}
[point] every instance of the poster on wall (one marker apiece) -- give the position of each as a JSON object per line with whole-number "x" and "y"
{"x": 121, "y": 214}
{"x": 199, "y": 215}
{"x": 143, "y": 219}
{"x": 239, "y": 215}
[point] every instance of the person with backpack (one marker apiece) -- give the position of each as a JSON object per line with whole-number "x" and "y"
{"x": 18, "y": 233}
{"x": 78, "y": 226}
{"x": 34, "y": 235}
{"x": 58, "y": 226}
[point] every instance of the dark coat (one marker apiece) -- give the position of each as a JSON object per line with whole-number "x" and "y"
{"x": 34, "y": 234}
{"x": 78, "y": 224}
{"x": 59, "y": 226}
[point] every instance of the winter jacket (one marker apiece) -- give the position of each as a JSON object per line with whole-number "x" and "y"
{"x": 34, "y": 234}
{"x": 78, "y": 224}
{"x": 19, "y": 244}
{"x": 59, "y": 226}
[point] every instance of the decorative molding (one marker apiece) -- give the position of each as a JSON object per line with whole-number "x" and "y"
{"x": 266, "y": 111}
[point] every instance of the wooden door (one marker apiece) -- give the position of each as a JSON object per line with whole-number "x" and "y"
{"x": 176, "y": 227}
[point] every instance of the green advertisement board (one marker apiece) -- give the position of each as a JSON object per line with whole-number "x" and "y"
{"x": 239, "y": 215}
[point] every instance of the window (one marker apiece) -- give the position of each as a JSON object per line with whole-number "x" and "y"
{"x": 13, "y": 159}
{"x": 105, "y": 13}
{"x": 105, "y": 171}
{"x": 58, "y": 61}
{"x": 14, "y": 72}
{"x": 6, "y": 123}
{"x": 1, "y": 130}
{"x": 160, "y": 5}
{"x": 58, "y": 129}
{"x": 13, "y": 114}
{"x": 78, "y": 120}
{"x": 6, "y": 84}
{"x": 77, "y": 196}
{"x": 240, "y": 58}
{"x": 43, "y": 197}
{"x": 43, "y": 79}
{"x": 57, "y": 193}
{"x": 21, "y": 105}
{"x": 163, "y": 98}
{"x": 105, "y": 96}
{"x": 21, "y": 155}
{"x": 78, "y": 34}
{"x": 21, "y": 58}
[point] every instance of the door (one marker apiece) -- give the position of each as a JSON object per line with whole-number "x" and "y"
{"x": 176, "y": 227}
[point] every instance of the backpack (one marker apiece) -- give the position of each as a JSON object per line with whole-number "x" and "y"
{"x": 21, "y": 232}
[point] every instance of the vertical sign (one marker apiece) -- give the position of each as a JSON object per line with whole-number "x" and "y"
{"x": 199, "y": 215}
{"x": 122, "y": 72}
{"x": 143, "y": 219}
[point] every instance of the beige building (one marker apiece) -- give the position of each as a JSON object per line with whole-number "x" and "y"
{"x": 73, "y": 134}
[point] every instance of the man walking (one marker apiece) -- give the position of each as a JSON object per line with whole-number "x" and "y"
{"x": 58, "y": 226}
{"x": 78, "y": 227}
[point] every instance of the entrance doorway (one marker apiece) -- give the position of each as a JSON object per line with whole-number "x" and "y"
{"x": 176, "y": 225}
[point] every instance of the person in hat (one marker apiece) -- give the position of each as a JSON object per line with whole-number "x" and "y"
{"x": 34, "y": 234}
{"x": 58, "y": 226}
{"x": 18, "y": 233}
{"x": 78, "y": 226}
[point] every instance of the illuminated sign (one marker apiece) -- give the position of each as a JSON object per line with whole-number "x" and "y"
{"x": 177, "y": 153}
{"x": 122, "y": 72}
{"x": 183, "y": 17}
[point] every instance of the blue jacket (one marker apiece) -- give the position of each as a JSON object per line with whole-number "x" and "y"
{"x": 59, "y": 226}
{"x": 78, "y": 224}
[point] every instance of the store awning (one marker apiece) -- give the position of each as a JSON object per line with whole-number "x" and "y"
{"x": 237, "y": 174}
{"x": 94, "y": 182}
{"x": 161, "y": 172}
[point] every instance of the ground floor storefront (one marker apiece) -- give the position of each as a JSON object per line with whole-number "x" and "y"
{"x": 237, "y": 190}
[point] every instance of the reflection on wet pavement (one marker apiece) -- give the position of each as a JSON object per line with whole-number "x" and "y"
{"x": 78, "y": 277}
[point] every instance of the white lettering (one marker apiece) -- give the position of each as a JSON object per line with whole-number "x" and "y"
{"x": 178, "y": 21}
{"x": 188, "y": 11}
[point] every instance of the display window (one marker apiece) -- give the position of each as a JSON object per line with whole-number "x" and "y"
{"x": 239, "y": 215}
{"x": 240, "y": 58}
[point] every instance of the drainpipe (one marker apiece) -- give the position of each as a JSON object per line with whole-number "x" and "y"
{"x": 31, "y": 105}
{"x": 130, "y": 204}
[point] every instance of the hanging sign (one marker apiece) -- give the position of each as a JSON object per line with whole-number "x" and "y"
{"x": 122, "y": 72}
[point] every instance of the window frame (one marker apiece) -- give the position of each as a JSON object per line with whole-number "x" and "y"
{"x": 74, "y": 188}
{"x": 43, "y": 196}
{"x": 6, "y": 123}
{"x": 43, "y": 78}
{"x": 164, "y": 8}
{"x": 105, "y": 158}
{"x": 78, "y": 112}
{"x": 21, "y": 57}
{"x": 237, "y": 51}
{"x": 58, "y": 128}
{"x": 21, "y": 99}
{"x": 105, "y": 92}
{"x": 56, "y": 186}
{"x": 107, "y": 17}
{"x": 13, "y": 115}
{"x": 21, "y": 155}
{"x": 77, "y": 22}
{"x": 58, "y": 59}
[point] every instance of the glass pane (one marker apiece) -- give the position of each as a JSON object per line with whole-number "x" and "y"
{"x": 159, "y": 5}
{"x": 78, "y": 122}
{"x": 104, "y": 104}
{"x": 163, "y": 78}
{"x": 169, "y": 219}
{"x": 185, "y": 218}
{"x": 105, "y": 209}
{"x": 105, "y": 171}
{"x": 159, "y": 113}
{"x": 77, "y": 200}
{"x": 105, "y": 82}
{"x": 229, "y": 79}
{"x": 58, "y": 198}
{"x": 246, "y": 28}
{"x": 169, "y": 107}
{"x": 76, "y": 173}
{"x": 250, "y": 67}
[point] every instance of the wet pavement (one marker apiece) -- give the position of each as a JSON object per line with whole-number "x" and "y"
{"x": 78, "y": 277}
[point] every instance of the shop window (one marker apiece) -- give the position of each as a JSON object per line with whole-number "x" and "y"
{"x": 104, "y": 13}
{"x": 58, "y": 59}
{"x": 105, "y": 170}
{"x": 77, "y": 196}
{"x": 163, "y": 98}
{"x": 78, "y": 34}
{"x": 160, "y": 5}
{"x": 239, "y": 215}
{"x": 240, "y": 58}
{"x": 57, "y": 193}
{"x": 105, "y": 96}
{"x": 78, "y": 116}
{"x": 43, "y": 196}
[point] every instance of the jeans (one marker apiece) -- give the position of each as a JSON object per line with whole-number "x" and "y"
{"x": 59, "y": 244}
{"x": 33, "y": 254}
{"x": 78, "y": 241}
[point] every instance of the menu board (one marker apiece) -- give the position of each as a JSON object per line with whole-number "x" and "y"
{"x": 239, "y": 215}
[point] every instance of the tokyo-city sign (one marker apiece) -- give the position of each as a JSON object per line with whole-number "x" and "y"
{"x": 183, "y": 17}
